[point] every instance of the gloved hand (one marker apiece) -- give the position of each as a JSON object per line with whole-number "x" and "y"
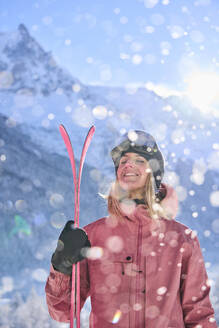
{"x": 71, "y": 248}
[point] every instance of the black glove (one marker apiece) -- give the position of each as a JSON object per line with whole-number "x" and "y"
{"x": 71, "y": 248}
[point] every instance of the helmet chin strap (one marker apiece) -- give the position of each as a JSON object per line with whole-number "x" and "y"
{"x": 139, "y": 201}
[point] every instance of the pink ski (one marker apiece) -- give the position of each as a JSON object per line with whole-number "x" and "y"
{"x": 75, "y": 292}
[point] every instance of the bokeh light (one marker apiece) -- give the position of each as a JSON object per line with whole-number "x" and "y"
{"x": 24, "y": 98}
{"x": 94, "y": 253}
{"x": 150, "y": 3}
{"x": 214, "y": 198}
{"x": 40, "y": 275}
{"x": 181, "y": 193}
{"x": 58, "y": 220}
{"x": 162, "y": 290}
{"x": 128, "y": 206}
{"x": 152, "y": 312}
{"x": 76, "y": 87}
{"x": 100, "y": 112}
{"x": 171, "y": 178}
{"x": 6, "y": 79}
{"x": 56, "y": 200}
{"x": 116, "y": 317}
{"x": 7, "y": 285}
{"x": 176, "y": 31}
{"x": 215, "y": 225}
{"x": 115, "y": 244}
{"x": 83, "y": 116}
{"x": 21, "y": 205}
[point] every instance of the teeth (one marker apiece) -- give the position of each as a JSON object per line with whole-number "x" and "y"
{"x": 130, "y": 174}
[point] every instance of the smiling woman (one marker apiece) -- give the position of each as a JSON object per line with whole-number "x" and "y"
{"x": 144, "y": 269}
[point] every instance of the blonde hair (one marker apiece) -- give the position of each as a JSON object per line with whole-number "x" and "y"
{"x": 116, "y": 194}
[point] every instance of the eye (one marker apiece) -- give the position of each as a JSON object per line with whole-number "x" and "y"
{"x": 140, "y": 161}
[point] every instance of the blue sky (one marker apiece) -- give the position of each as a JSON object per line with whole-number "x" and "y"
{"x": 120, "y": 42}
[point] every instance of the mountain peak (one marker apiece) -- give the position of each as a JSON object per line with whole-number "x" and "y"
{"x": 23, "y": 31}
{"x": 30, "y": 65}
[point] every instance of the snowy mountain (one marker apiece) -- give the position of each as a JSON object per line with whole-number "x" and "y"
{"x": 22, "y": 55}
{"x": 36, "y": 95}
{"x": 34, "y": 90}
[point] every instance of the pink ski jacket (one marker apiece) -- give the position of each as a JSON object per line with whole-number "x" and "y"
{"x": 140, "y": 273}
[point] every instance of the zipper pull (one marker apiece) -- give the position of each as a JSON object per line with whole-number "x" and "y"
{"x": 123, "y": 269}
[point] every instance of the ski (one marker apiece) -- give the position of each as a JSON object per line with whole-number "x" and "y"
{"x": 75, "y": 288}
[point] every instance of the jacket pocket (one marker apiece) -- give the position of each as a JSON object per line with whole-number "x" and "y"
{"x": 109, "y": 275}
{"x": 123, "y": 260}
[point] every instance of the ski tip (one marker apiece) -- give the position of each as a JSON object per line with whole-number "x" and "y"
{"x": 62, "y": 129}
{"x": 92, "y": 129}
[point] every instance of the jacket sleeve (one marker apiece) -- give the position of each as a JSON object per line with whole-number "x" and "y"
{"x": 195, "y": 289}
{"x": 58, "y": 292}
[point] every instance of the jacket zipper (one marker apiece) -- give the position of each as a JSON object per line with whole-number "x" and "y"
{"x": 138, "y": 266}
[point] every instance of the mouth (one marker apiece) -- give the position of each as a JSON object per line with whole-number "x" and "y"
{"x": 130, "y": 175}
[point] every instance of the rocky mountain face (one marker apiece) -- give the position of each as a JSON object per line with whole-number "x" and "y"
{"x": 30, "y": 67}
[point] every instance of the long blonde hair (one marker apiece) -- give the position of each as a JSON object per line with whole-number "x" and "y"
{"x": 117, "y": 194}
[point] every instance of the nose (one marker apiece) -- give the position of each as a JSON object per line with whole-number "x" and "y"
{"x": 129, "y": 162}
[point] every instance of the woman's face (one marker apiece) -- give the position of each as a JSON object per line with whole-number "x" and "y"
{"x": 132, "y": 171}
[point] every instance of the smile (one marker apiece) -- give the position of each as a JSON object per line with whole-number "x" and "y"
{"x": 130, "y": 175}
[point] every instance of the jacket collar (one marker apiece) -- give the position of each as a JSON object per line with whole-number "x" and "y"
{"x": 133, "y": 210}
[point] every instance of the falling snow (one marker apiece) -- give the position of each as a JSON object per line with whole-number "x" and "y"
{"x": 149, "y": 65}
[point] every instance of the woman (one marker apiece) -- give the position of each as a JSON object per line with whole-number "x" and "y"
{"x": 144, "y": 269}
